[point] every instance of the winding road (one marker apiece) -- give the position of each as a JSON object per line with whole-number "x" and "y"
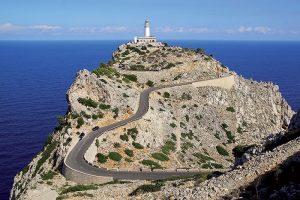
{"x": 75, "y": 158}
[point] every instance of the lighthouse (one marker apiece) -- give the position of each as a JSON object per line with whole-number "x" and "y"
{"x": 147, "y": 37}
{"x": 147, "y": 28}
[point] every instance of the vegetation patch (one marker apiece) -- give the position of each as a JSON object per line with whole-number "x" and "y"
{"x": 78, "y": 188}
{"x": 132, "y": 132}
{"x": 124, "y": 137}
{"x": 186, "y": 96}
{"x": 104, "y": 106}
{"x": 137, "y": 145}
{"x": 137, "y": 67}
{"x": 101, "y": 158}
{"x": 104, "y": 70}
{"x": 173, "y": 125}
{"x": 80, "y": 122}
{"x": 45, "y": 156}
{"x": 115, "y": 156}
{"x": 203, "y": 158}
{"x": 160, "y": 156}
{"x": 150, "y": 83}
{"x": 130, "y": 77}
{"x": 222, "y": 151}
{"x": 168, "y": 147}
{"x": 151, "y": 163}
{"x": 147, "y": 188}
{"x": 186, "y": 146}
{"x": 230, "y": 109}
{"x": 166, "y": 95}
{"x": 129, "y": 152}
{"x": 49, "y": 175}
{"x": 87, "y": 102}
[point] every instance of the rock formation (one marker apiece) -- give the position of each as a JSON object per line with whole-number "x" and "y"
{"x": 191, "y": 126}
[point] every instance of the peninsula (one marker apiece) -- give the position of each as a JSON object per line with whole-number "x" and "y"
{"x": 160, "y": 121}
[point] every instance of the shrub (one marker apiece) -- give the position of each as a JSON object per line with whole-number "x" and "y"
{"x": 78, "y": 188}
{"x": 230, "y": 136}
{"x": 117, "y": 145}
{"x": 150, "y": 83}
{"x": 104, "y": 70}
{"x": 49, "y": 175}
{"x": 170, "y": 65}
{"x": 80, "y": 122}
{"x": 224, "y": 126}
{"x": 94, "y": 116}
{"x": 67, "y": 141}
{"x": 97, "y": 143}
{"x": 101, "y": 158}
{"x": 74, "y": 115}
{"x": 203, "y": 158}
{"x": 116, "y": 112}
{"x": 239, "y": 130}
{"x": 169, "y": 146}
{"x": 87, "y": 102}
{"x": 239, "y": 150}
{"x": 173, "y": 137}
{"x": 129, "y": 152}
{"x": 147, "y": 188}
{"x": 104, "y": 106}
{"x": 137, "y": 145}
{"x": 186, "y": 96}
{"x": 85, "y": 115}
{"x": 151, "y": 163}
{"x": 187, "y": 118}
{"x": 186, "y": 145}
{"x": 128, "y": 160}
{"x": 130, "y": 77}
{"x": 132, "y": 132}
{"x": 177, "y": 77}
{"x": 160, "y": 156}
{"x": 137, "y": 67}
{"x": 173, "y": 125}
{"x": 61, "y": 122}
{"x": 216, "y": 165}
{"x": 230, "y": 109}
{"x": 115, "y": 156}
{"x": 166, "y": 95}
{"x": 124, "y": 137}
{"x": 125, "y": 95}
{"x": 222, "y": 151}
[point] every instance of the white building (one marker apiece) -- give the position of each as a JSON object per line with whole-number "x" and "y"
{"x": 147, "y": 36}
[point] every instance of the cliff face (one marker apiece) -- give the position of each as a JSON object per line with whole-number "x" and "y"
{"x": 186, "y": 123}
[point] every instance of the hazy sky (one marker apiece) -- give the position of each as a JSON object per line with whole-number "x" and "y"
{"x": 170, "y": 19}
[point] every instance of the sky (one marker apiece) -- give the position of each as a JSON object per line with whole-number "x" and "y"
{"x": 169, "y": 19}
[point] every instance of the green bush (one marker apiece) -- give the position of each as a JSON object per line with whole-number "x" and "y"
{"x": 117, "y": 145}
{"x": 125, "y": 95}
{"x": 124, "y": 137}
{"x": 187, "y": 118}
{"x": 230, "y": 109}
{"x": 160, "y": 156}
{"x": 101, "y": 158}
{"x": 87, "y": 102}
{"x": 67, "y": 141}
{"x": 94, "y": 117}
{"x": 104, "y": 106}
{"x": 168, "y": 147}
{"x": 222, "y": 151}
{"x": 132, "y": 132}
{"x": 130, "y": 77}
{"x": 230, "y": 136}
{"x": 78, "y": 188}
{"x": 97, "y": 143}
{"x": 217, "y": 166}
{"x": 173, "y": 137}
{"x": 85, "y": 115}
{"x": 186, "y": 96}
{"x": 186, "y": 145}
{"x": 137, "y": 145}
{"x": 128, "y": 160}
{"x": 151, "y": 163}
{"x": 170, "y": 65}
{"x": 166, "y": 95}
{"x": 115, "y": 156}
{"x": 137, "y": 67}
{"x": 147, "y": 188}
{"x": 104, "y": 70}
{"x": 74, "y": 115}
{"x": 150, "y": 83}
{"x": 116, "y": 112}
{"x": 224, "y": 126}
{"x": 203, "y": 158}
{"x": 173, "y": 125}
{"x": 49, "y": 175}
{"x": 129, "y": 152}
{"x": 80, "y": 122}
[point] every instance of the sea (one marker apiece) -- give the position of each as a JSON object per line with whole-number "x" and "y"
{"x": 35, "y": 76}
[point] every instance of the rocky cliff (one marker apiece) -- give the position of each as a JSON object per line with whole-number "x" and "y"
{"x": 191, "y": 126}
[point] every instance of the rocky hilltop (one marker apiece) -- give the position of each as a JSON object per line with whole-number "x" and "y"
{"x": 219, "y": 122}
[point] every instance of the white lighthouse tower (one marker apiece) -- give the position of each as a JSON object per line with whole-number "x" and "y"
{"x": 147, "y": 28}
{"x": 147, "y": 37}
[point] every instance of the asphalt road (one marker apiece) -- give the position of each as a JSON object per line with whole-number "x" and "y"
{"x": 75, "y": 159}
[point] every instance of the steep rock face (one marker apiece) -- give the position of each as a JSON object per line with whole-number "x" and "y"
{"x": 295, "y": 122}
{"x": 190, "y": 119}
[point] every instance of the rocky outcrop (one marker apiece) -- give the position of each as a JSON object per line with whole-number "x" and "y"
{"x": 195, "y": 126}
{"x": 295, "y": 122}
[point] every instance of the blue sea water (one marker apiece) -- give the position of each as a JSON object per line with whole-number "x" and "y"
{"x": 35, "y": 75}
